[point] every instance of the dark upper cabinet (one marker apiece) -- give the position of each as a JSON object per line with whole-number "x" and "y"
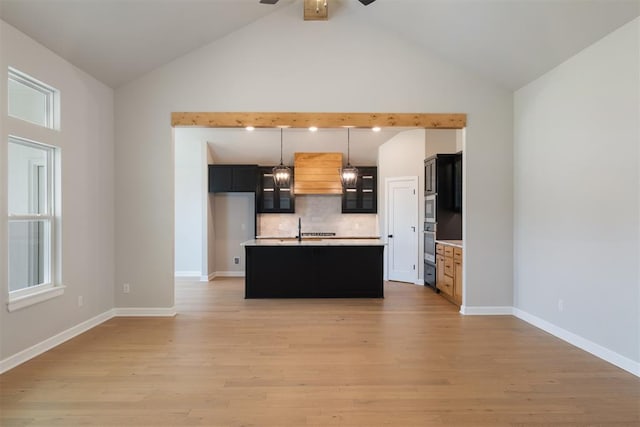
{"x": 440, "y": 178}
{"x": 457, "y": 183}
{"x": 232, "y": 178}
{"x": 363, "y": 198}
{"x": 270, "y": 198}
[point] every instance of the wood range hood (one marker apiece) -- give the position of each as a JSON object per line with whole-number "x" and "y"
{"x": 317, "y": 173}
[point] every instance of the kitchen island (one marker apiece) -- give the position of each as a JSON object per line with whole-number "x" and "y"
{"x": 314, "y": 268}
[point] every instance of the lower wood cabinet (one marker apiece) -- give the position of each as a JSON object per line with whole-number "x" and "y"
{"x": 457, "y": 275}
{"x": 449, "y": 272}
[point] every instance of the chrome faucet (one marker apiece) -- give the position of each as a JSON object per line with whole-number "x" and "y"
{"x": 299, "y": 229}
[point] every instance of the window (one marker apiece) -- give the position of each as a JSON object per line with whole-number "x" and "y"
{"x": 32, "y": 100}
{"x": 32, "y": 221}
{"x": 33, "y": 185}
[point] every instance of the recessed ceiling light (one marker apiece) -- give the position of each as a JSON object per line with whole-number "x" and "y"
{"x": 376, "y": 128}
{"x": 313, "y": 129}
{"x": 250, "y": 128}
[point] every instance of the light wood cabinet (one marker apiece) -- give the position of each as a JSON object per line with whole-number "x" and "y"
{"x": 457, "y": 276}
{"x": 440, "y": 273}
{"x": 449, "y": 272}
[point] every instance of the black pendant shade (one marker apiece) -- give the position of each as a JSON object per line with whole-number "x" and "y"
{"x": 349, "y": 174}
{"x": 281, "y": 173}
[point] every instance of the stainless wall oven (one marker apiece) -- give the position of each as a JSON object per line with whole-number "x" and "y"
{"x": 429, "y": 233}
{"x": 430, "y": 208}
{"x": 430, "y": 242}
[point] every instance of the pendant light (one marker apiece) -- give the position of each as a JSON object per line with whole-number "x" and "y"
{"x": 281, "y": 173}
{"x": 349, "y": 174}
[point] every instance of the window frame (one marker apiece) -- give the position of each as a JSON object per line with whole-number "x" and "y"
{"x": 51, "y": 98}
{"x": 52, "y": 217}
{"x": 50, "y": 287}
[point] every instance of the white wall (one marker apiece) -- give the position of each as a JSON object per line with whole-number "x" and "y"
{"x": 262, "y": 146}
{"x": 234, "y": 223}
{"x": 191, "y": 197}
{"x": 87, "y": 150}
{"x": 402, "y": 156}
{"x": 272, "y": 65}
{"x": 577, "y": 195}
{"x": 442, "y": 141}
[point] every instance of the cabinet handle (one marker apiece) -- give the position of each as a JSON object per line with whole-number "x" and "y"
{"x": 390, "y": 236}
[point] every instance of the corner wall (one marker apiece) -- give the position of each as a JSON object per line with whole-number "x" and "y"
{"x": 87, "y": 150}
{"x": 191, "y": 193}
{"x": 577, "y": 198}
{"x": 402, "y": 156}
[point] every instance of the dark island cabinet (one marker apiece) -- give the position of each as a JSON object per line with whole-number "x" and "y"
{"x": 287, "y": 271}
{"x": 232, "y": 178}
{"x": 270, "y": 198}
{"x": 363, "y": 198}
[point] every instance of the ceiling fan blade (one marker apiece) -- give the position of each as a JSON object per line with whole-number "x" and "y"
{"x": 366, "y": 2}
{"x": 268, "y": 1}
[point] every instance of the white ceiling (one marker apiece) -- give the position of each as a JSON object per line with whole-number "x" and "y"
{"x": 509, "y": 41}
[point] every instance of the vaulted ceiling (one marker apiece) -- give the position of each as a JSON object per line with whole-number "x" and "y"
{"x": 508, "y": 41}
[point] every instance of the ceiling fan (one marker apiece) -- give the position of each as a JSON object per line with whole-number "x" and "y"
{"x": 316, "y": 10}
{"x": 364, "y": 2}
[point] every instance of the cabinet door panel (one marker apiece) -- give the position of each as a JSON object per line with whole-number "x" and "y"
{"x": 363, "y": 198}
{"x": 244, "y": 178}
{"x": 457, "y": 281}
{"x": 220, "y": 179}
{"x": 272, "y": 199}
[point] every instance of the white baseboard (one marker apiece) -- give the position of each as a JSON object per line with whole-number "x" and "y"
{"x": 145, "y": 312}
{"x": 486, "y": 310}
{"x": 589, "y": 346}
{"x": 190, "y": 276}
{"x": 211, "y": 276}
{"x": 37, "y": 349}
{"x": 188, "y": 273}
{"x": 229, "y": 274}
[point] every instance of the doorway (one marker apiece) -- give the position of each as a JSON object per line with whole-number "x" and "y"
{"x": 402, "y": 228}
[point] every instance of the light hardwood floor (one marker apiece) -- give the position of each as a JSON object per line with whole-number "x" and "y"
{"x": 407, "y": 360}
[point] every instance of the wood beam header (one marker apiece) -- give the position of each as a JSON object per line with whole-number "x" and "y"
{"x": 320, "y": 120}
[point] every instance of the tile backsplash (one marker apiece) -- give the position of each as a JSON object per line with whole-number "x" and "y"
{"x": 319, "y": 214}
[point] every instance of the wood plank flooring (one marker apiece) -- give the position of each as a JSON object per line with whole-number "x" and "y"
{"x": 407, "y": 360}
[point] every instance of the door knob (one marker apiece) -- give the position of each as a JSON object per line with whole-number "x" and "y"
{"x": 390, "y": 236}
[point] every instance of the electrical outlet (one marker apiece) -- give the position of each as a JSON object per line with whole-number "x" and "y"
{"x": 560, "y": 305}
{"x": 126, "y": 288}
{"x": 236, "y": 260}
{"x": 80, "y": 301}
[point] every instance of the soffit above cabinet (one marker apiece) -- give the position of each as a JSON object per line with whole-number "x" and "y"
{"x": 317, "y": 173}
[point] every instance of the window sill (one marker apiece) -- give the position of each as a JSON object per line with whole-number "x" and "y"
{"x": 17, "y": 303}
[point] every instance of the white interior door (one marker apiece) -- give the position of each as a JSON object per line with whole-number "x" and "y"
{"x": 402, "y": 229}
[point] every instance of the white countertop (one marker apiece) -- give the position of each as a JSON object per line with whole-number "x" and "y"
{"x": 456, "y": 243}
{"x": 314, "y": 242}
